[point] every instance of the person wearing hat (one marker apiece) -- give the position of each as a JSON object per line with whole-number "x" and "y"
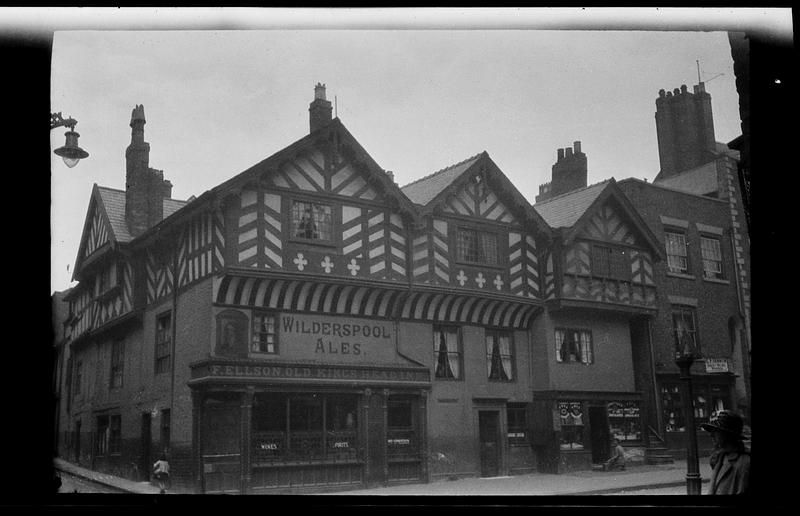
{"x": 730, "y": 462}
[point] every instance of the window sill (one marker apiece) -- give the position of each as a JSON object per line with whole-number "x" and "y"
{"x": 317, "y": 243}
{"x": 436, "y": 378}
{"x": 496, "y": 267}
{"x": 681, "y": 275}
{"x": 718, "y": 281}
{"x": 260, "y": 354}
{"x": 502, "y": 381}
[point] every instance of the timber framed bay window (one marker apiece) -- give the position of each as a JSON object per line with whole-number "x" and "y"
{"x": 300, "y": 427}
{"x": 677, "y": 253}
{"x": 683, "y": 325}
{"x": 574, "y": 346}
{"x": 500, "y": 355}
{"x": 610, "y": 262}
{"x": 447, "y": 352}
{"x": 312, "y": 221}
{"x": 712, "y": 258}
{"x": 572, "y": 435}
{"x": 477, "y": 247}
{"x": 163, "y": 342}
{"x": 265, "y": 333}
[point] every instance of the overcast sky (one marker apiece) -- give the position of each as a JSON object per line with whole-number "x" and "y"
{"x": 217, "y": 102}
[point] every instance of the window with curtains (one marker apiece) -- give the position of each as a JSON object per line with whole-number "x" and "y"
{"x": 500, "y": 355}
{"x": 684, "y": 329}
{"x": 447, "y": 352}
{"x": 102, "y": 436}
{"x": 677, "y": 256}
{"x": 574, "y": 346}
{"x": 477, "y": 246}
{"x": 312, "y": 221}
{"x": 712, "y": 258}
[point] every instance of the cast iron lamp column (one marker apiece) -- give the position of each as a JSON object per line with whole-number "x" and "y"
{"x": 684, "y": 361}
{"x": 70, "y": 152}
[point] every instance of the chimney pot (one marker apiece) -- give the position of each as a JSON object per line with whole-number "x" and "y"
{"x": 560, "y": 154}
{"x": 662, "y": 93}
{"x": 319, "y": 91}
{"x": 676, "y": 91}
{"x": 577, "y": 146}
{"x": 683, "y": 88}
{"x": 569, "y": 152}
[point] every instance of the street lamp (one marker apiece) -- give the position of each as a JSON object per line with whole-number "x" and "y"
{"x": 684, "y": 356}
{"x": 70, "y": 152}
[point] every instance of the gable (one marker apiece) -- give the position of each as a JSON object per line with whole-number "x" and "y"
{"x": 98, "y": 233}
{"x": 478, "y": 200}
{"x": 608, "y": 224}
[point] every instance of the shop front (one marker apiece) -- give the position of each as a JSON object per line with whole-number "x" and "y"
{"x": 573, "y": 431}
{"x": 289, "y": 427}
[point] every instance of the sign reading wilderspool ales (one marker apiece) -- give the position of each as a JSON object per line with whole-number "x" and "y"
{"x": 335, "y": 339}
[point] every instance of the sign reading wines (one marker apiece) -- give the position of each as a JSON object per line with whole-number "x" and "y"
{"x": 336, "y": 339}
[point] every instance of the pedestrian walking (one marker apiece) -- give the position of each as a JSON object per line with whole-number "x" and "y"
{"x": 617, "y": 459}
{"x": 161, "y": 472}
{"x": 730, "y": 461}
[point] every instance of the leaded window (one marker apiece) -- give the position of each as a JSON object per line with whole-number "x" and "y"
{"x": 684, "y": 330}
{"x": 477, "y": 246}
{"x": 163, "y": 341}
{"x": 312, "y": 221}
{"x": 608, "y": 262}
{"x": 117, "y": 363}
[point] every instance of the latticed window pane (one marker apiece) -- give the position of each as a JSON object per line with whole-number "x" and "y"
{"x": 676, "y": 252}
{"x": 468, "y": 245}
{"x": 312, "y": 220}
{"x": 264, "y": 334}
{"x": 712, "y": 257}
{"x": 117, "y": 363}
{"x": 477, "y": 246}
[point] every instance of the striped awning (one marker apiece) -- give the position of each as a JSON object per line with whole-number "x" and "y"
{"x": 311, "y": 296}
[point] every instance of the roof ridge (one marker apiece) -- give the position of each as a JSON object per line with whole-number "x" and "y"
{"x": 445, "y": 169}
{"x": 571, "y": 192}
{"x": 109, "y": 188}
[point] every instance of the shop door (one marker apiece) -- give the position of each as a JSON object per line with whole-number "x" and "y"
{"x": 489, "y": 435}
{"x": 144, "y": 460}
{"x": 600, "y": 435}
{"x": 221, "y": 445}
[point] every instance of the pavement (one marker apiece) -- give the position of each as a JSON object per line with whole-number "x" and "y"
{"x": 635, "y": 477}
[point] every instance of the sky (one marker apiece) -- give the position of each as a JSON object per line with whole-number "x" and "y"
{"x": 219, "y": 101}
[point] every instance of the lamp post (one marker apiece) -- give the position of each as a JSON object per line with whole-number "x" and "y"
{"x": 70, "y": 152}
{"x": 684, "y": 358}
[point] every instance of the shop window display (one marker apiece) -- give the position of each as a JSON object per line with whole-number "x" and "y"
{"x": 624, "y": 421}
{"x": 572, "y": 425}
{"x": 672, "y": 405}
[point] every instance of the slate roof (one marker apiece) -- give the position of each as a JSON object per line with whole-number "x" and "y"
{"x": 422, "y": 191}
{"x": 564, "y": 210}
{"x": 114, "y": 204}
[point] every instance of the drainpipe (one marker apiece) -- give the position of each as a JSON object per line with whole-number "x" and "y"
{"x": 172, "y": 344}
{"x": 745, "y": 339}
{"x": 659, "y": 416}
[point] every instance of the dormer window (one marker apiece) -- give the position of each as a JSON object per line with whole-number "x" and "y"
{"x": 312, "y": 221}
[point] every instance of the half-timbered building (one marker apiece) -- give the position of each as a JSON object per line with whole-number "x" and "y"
{"x": 591, "y": 376}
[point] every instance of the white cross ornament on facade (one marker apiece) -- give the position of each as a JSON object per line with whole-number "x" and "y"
{"x": 327, "y": 264}
{"x": 462, "y": 278}
{"x": 480, "y": 280}
{"x": 353, "y": 266}
{"x": 300, "y": 262}
{"x": 498, "y": 282}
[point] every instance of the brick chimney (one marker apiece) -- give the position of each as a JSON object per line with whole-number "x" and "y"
{"x": 145, "y": 187}
{"x": 320, "y": 109}
{"x": 685, "y": 129}
{"x": 569, "y": 173}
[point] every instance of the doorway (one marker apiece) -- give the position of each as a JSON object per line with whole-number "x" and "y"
{"x": 599, "y": 434}
{"x": 146, "y": 444}
{"x": 489, "y": 436}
